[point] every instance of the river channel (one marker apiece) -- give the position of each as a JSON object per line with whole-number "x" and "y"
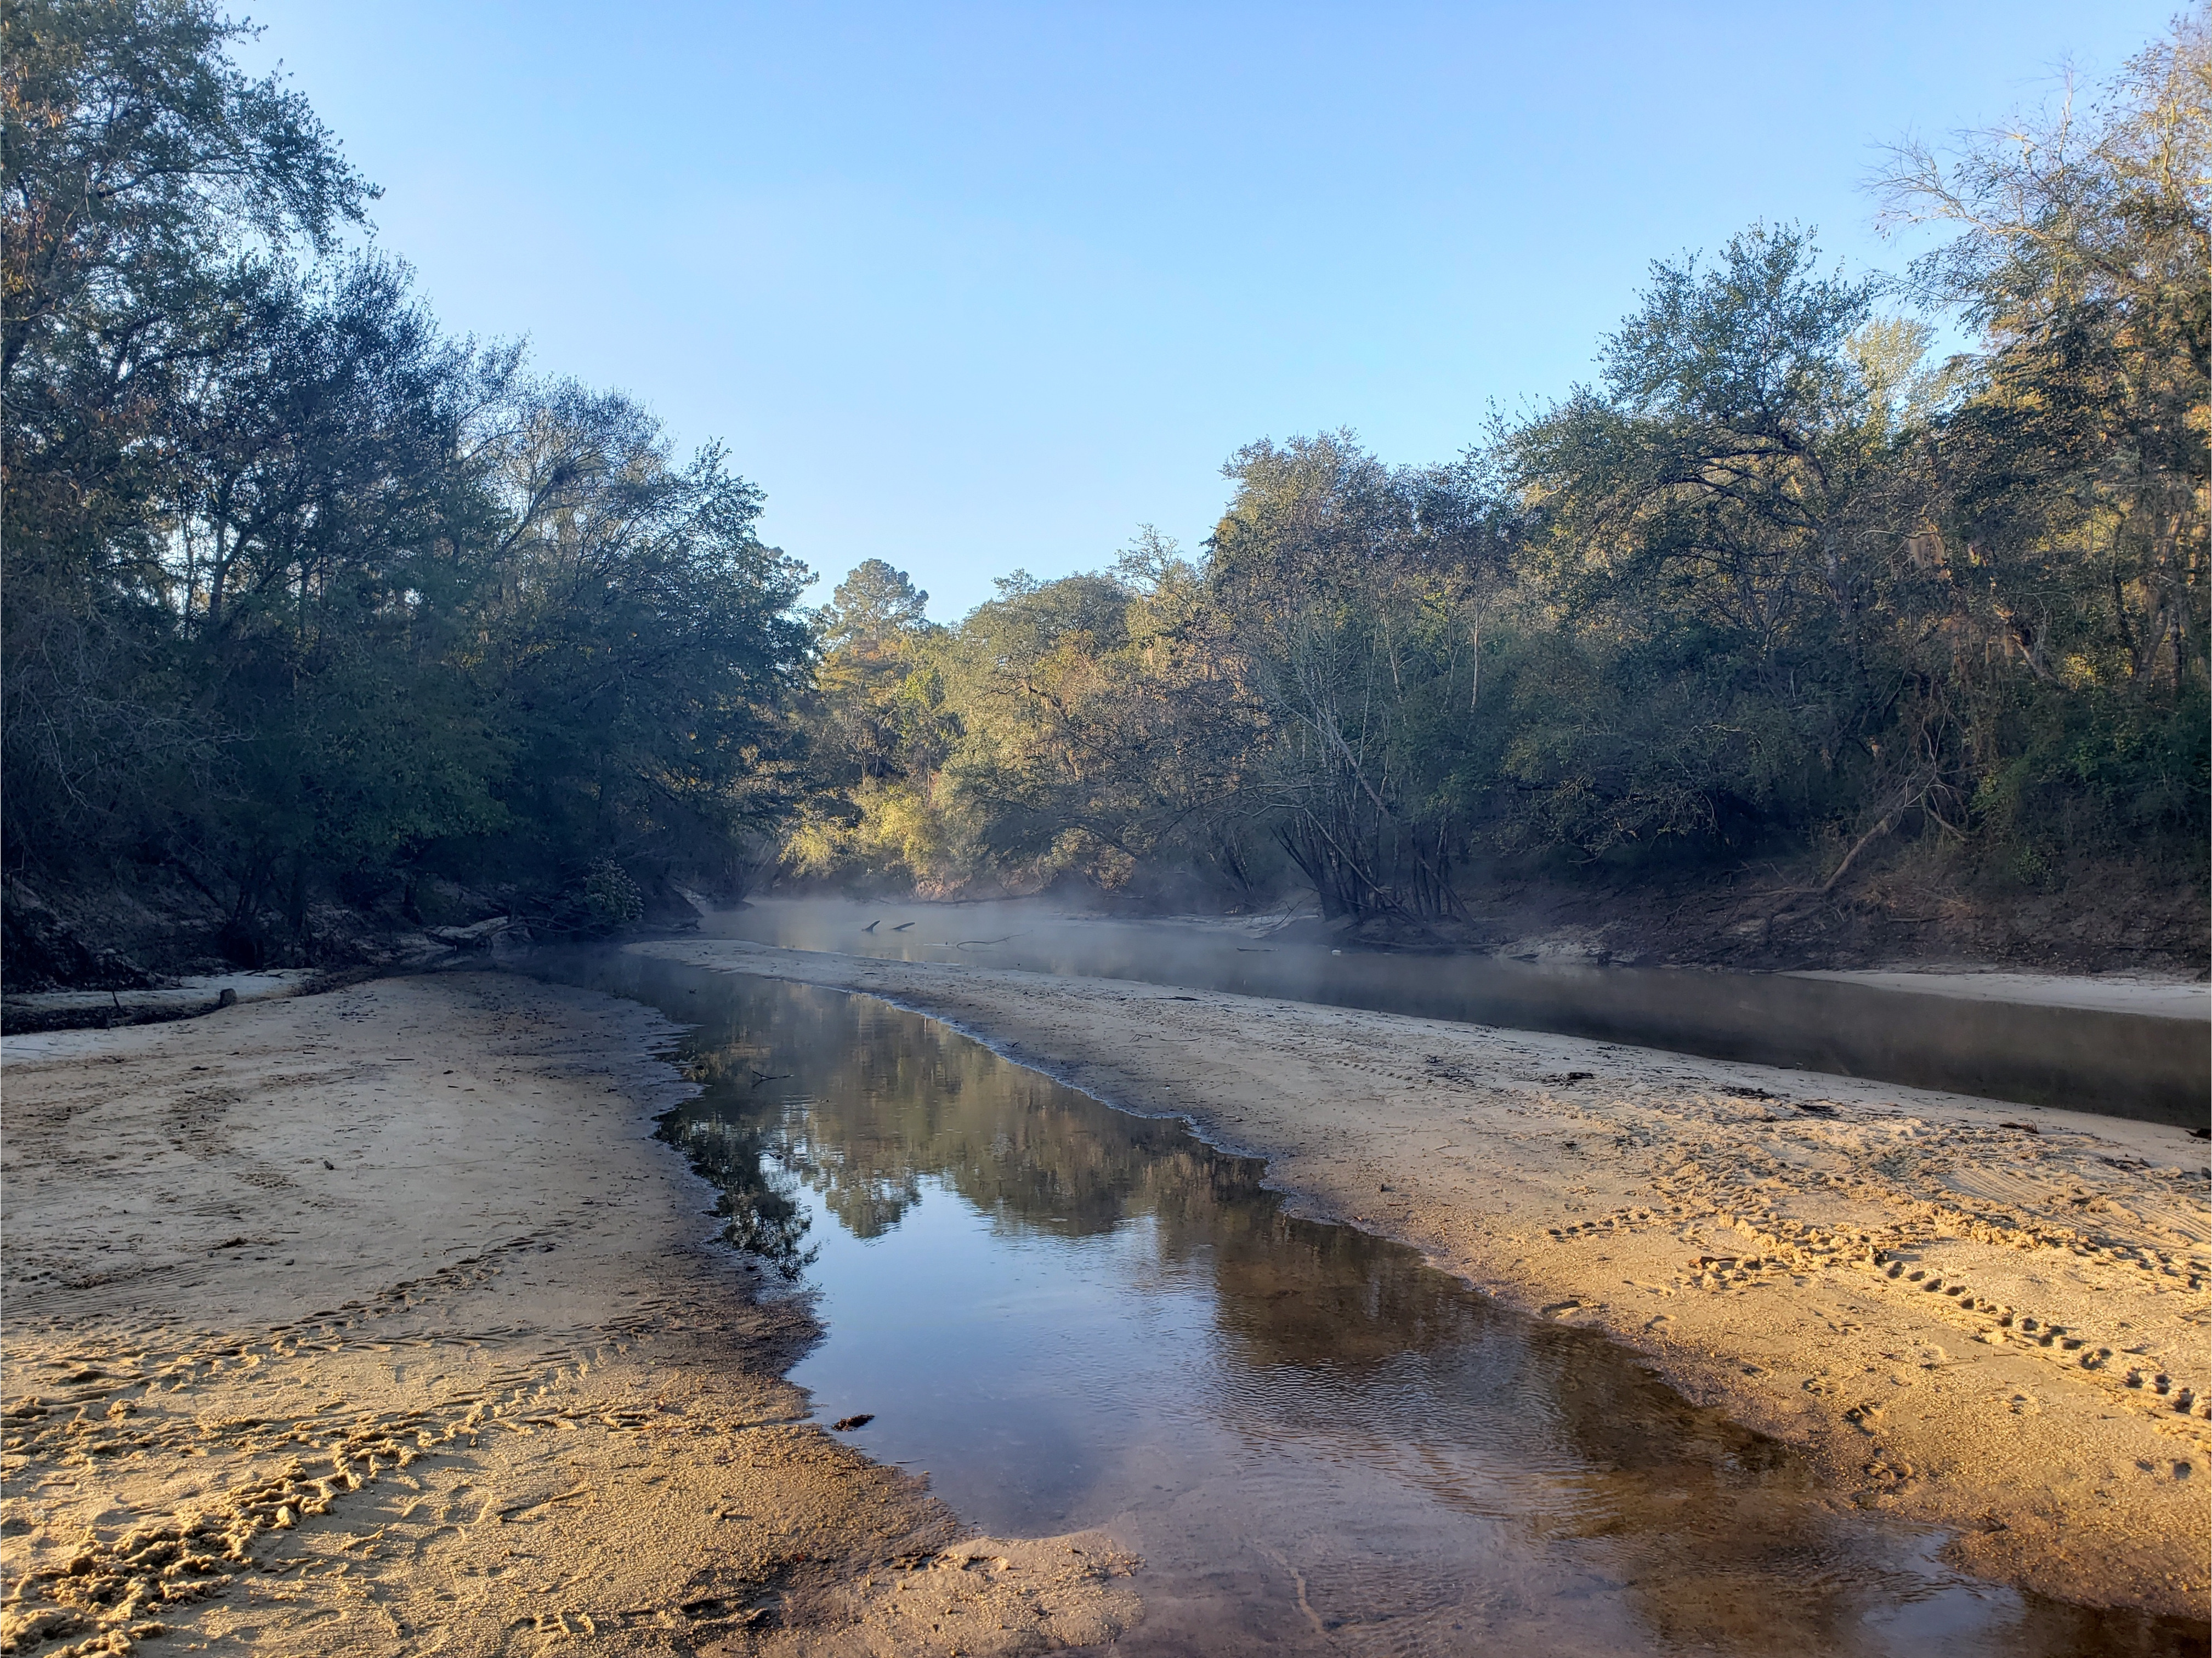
{"x": 1072, "y": 1318}
{"x": 2115, "y": 1063}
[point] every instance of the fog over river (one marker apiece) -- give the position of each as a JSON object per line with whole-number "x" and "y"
{"x": 2154, "y": 1065}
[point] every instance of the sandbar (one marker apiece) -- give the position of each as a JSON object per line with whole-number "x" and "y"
{"x": 1986, "y": 1317}
{"x": 378, "y": 1320}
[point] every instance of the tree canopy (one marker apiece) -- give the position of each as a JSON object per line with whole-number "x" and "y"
{"x": 1777, "y": 585}
{"x": 303, "y": 593}
{"x": 307, "y": 601}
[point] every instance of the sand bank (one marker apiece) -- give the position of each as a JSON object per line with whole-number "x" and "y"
{"x": 2145, "y": 996}
{"x": 1985, "y": 1317}
{"x": 377, "y": 1321}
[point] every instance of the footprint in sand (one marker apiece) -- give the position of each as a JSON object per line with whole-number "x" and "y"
{"x": 2166, "y": 1470}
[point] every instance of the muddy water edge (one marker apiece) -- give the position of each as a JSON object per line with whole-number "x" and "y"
{"x": 1071, "y": 1317}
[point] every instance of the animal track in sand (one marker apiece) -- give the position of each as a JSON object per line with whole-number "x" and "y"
{"x": 1868, "y": 1416}
{"x": 2169, "y": 1469}
{"x": 2085, "y": 1357}
{"x": 111, "y": 1587}
{"x": 117, "y": 1402}
{"x": 1918, "y": 1186}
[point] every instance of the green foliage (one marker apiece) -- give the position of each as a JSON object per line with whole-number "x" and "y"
{"x": 299, "y": 591}
{"x": 879, "y": 731}
{"x": 146, "y": 186}
{"x": 610, "y": 897}
{"x": 1716, "y": 526}
{"x": 1776, "y": 584}
{"x": 303, "y": 594}
{"x": 1079, "y": 726}
{"x": 632, "y": 638}
{"x": 1356, "y": 596}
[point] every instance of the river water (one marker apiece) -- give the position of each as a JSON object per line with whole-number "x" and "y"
{"x": 2116, "y": 1064}
{"x": 1070, "y": 1318}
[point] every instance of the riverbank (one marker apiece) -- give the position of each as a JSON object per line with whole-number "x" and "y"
{"x": 2143, "y": 995}
{"x": 1983, "y": 1316}
{"x": 379, "y": 1317}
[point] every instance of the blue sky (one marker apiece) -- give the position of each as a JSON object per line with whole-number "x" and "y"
{"x": 974, "y": 287}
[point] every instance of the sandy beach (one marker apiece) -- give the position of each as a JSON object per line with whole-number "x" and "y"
{"x": 1987, "y": 1317}
{"x": 376, "y": 1321}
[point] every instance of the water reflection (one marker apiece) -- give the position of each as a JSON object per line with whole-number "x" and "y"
{"x": 2155, "y": 1070}
{"x": 1073, "y": 1317}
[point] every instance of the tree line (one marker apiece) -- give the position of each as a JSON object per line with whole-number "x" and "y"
{"x": 305, "y": 597}
{"x": 307, "y": 601}
{"x": 1782, "y": 582}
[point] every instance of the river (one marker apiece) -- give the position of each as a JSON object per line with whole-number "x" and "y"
{"x": 1070, "y": 1317}
{"x": 2154, "y": 1069}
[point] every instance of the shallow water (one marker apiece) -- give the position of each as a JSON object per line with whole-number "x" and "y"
{"x": 1071, "y": 1317}
{"x": 2121, "y": 1065}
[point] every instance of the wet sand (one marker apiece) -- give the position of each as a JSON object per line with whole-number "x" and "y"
{"x": 377, "y": 1321}
{"x": 1992, "y": 1318}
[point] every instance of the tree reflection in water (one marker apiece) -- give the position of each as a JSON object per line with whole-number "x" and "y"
{"x": 757, "y": 1201}
{"x": 1425, "y": 1464}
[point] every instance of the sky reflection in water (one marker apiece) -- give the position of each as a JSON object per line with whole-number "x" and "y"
{"x": 1071, "y": 1317}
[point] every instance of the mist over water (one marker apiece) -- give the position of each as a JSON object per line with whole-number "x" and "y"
{"x": 1070, "y": 1317}
{"x": 2155, "y": 1070}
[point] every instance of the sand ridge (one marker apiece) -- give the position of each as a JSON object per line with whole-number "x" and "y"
{"x": 378, "y": 1320}
{"x": 1985, "y": 1317}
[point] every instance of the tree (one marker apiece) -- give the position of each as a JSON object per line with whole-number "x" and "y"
{"x": 145, "y": 188}
{"x": 1097, "y": 730}
{"x": 877, "y": 733}
{"x": 327, "y": 520}
{"x": 637, "y": 648}
{"x": 301, "y": 592}
{"x": 1354, "y": 594}
{"x": 870, "y": 636}
{"x": 1718, "y": 526}
{"x": 2071, "y": 531}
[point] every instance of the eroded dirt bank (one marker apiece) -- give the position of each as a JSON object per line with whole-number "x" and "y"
{"x": 376, "y": 1321}
{"x": 1985, "y": 1317}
